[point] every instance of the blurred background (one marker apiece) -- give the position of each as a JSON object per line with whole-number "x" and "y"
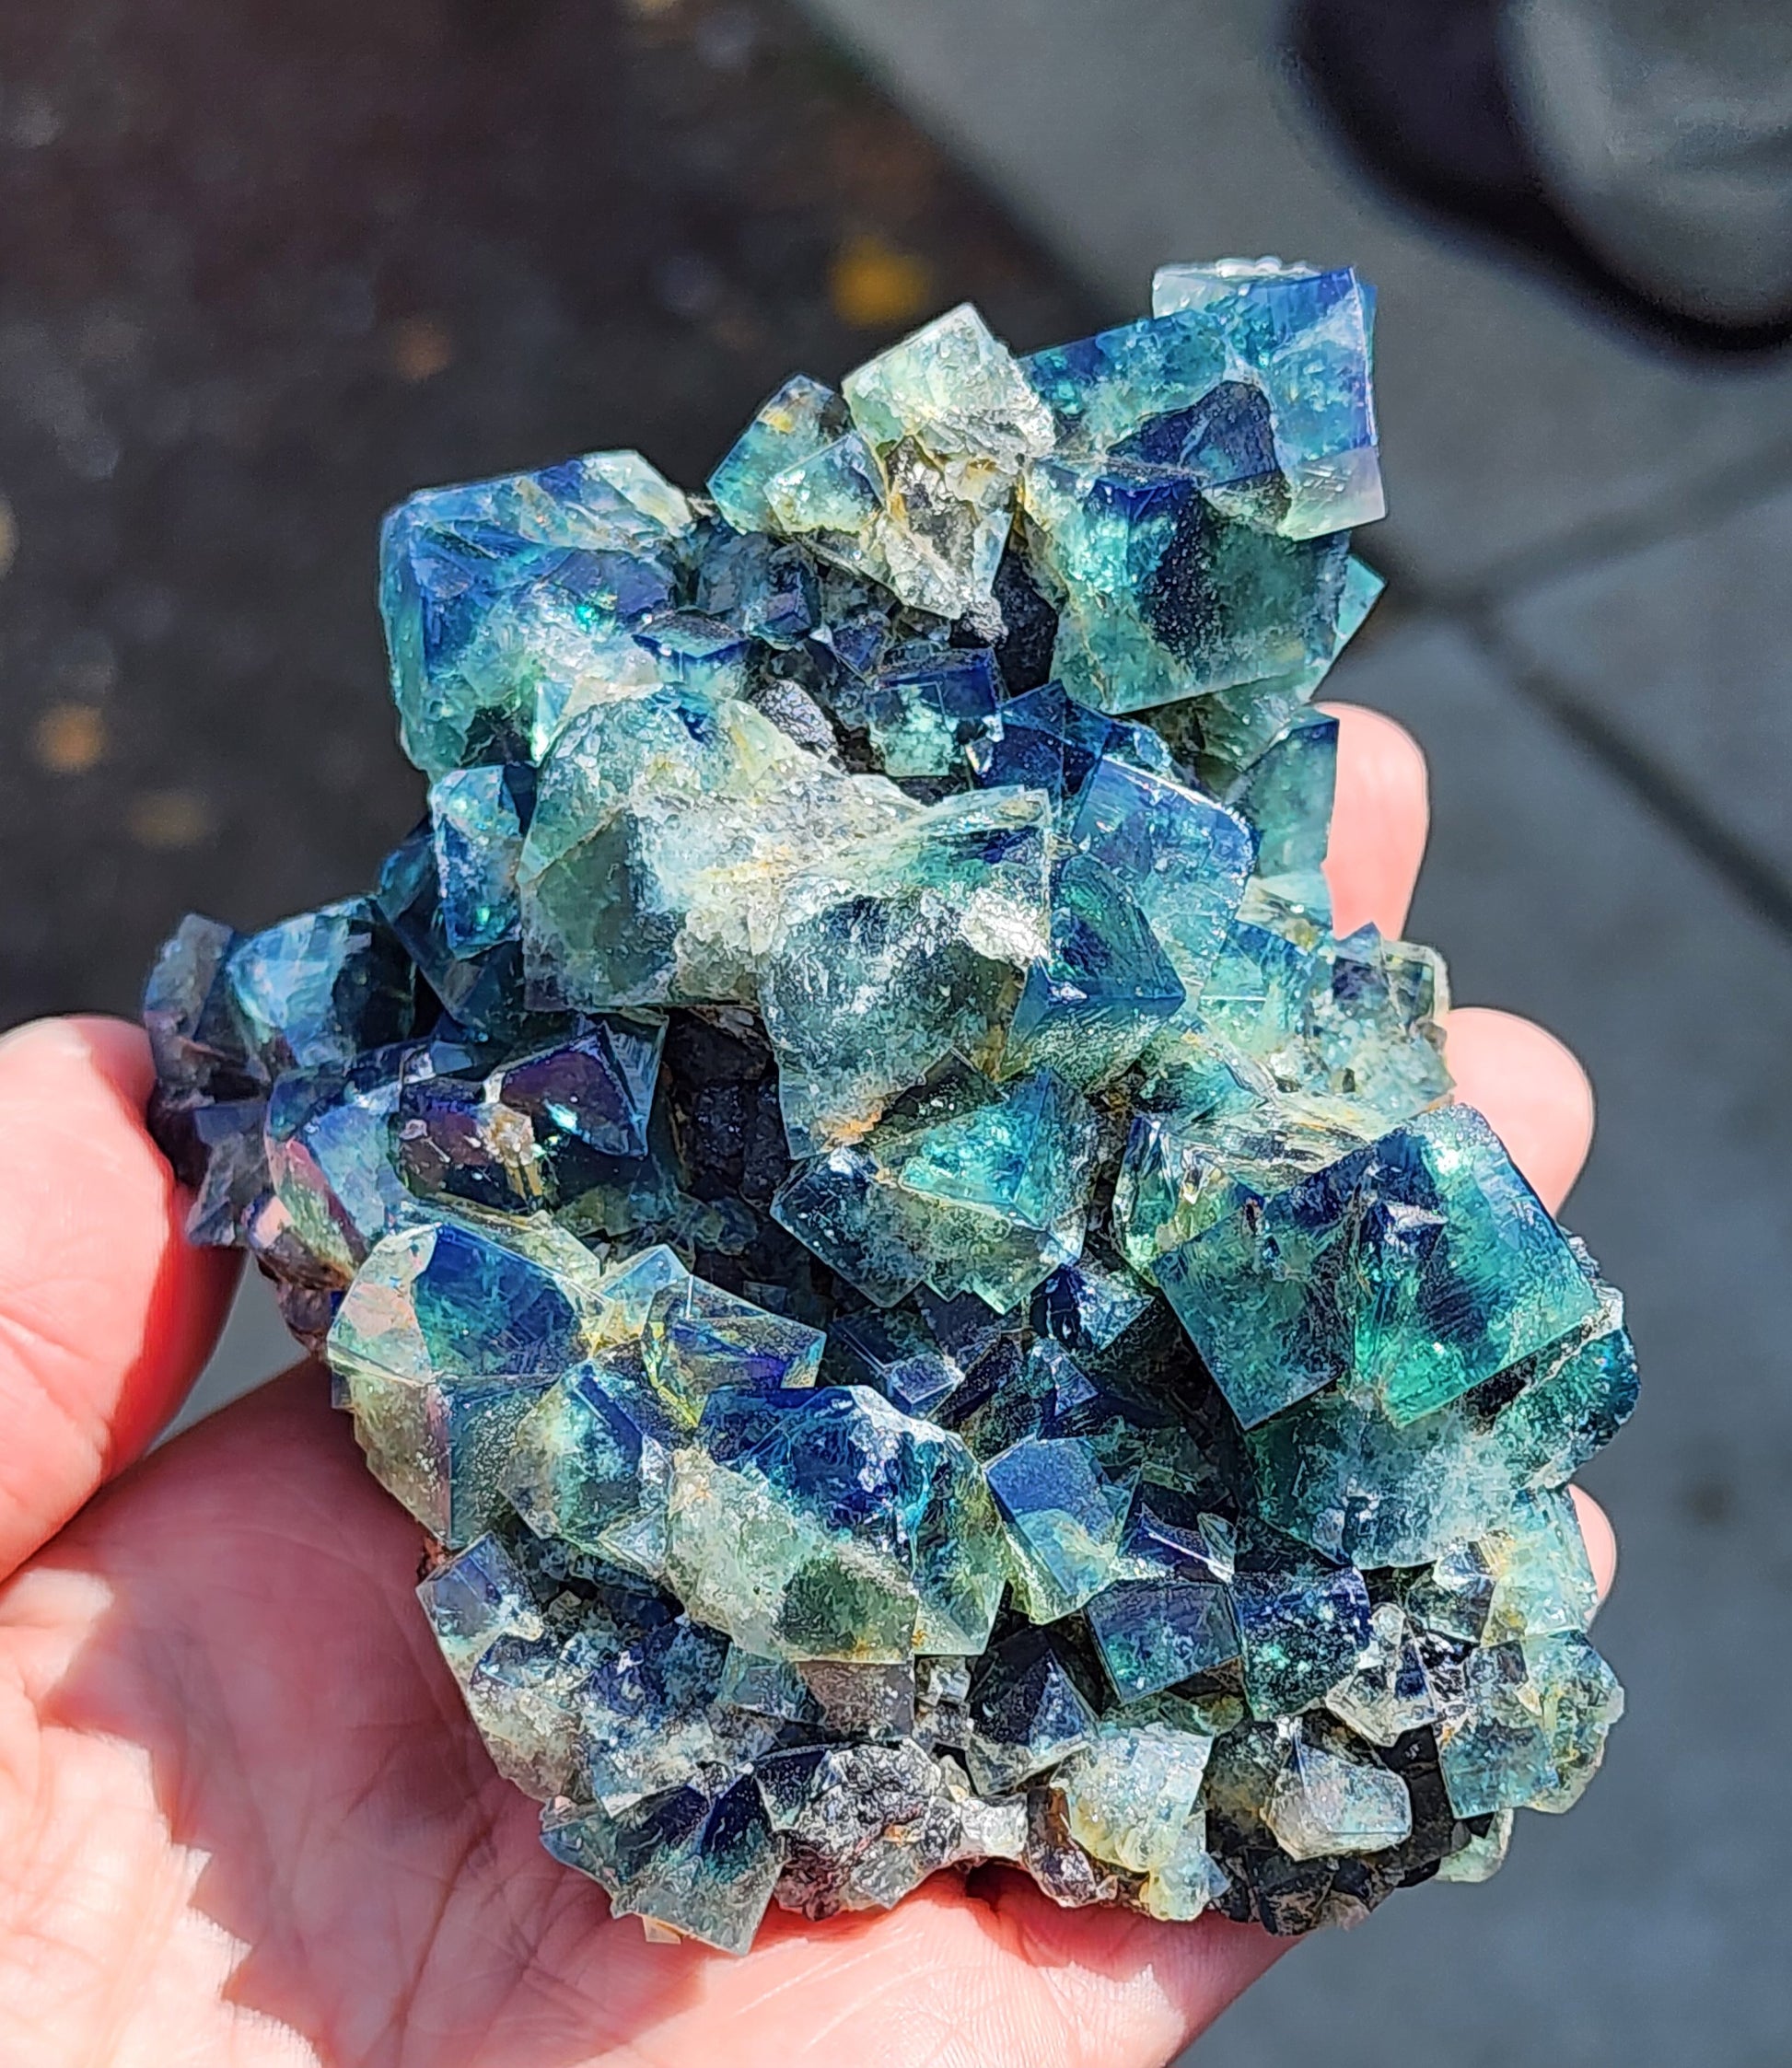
{"x": 264, "y": 268}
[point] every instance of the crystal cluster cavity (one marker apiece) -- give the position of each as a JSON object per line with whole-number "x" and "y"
{"x": 932, "y": 1310}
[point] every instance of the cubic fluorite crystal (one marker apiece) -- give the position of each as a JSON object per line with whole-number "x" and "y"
{"x": 931, "y": 1310}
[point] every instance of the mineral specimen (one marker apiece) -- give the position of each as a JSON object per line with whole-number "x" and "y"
{"x": 931, "y": 1310}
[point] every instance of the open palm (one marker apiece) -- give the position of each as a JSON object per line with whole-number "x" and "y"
{"x": 242, "y": 1817}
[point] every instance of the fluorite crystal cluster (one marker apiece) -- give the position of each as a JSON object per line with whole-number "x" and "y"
{"x": 931, "y": 1310}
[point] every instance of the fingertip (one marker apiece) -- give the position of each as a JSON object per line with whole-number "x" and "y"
{"x": 116, "y": 1048}
{"x": 106, "y": 1312}
{"x": 1532, "y": 1089}
{"x": 1600, "y": 1540}
{"x": 1380, "y": 820}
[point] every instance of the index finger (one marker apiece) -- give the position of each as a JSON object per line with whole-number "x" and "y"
{"x": 106, "y": 1312}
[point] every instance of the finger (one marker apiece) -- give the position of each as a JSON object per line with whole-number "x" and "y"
{"x": 106, "y": 1313}
{"x": 1600, "y": 1540}
{"x": 1533, "y": 1092}
{"x": 1134, "y": 1991}
{"x": 1379, "y": 822}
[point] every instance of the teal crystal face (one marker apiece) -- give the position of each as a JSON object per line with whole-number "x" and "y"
{"x": 930, "y": 1308}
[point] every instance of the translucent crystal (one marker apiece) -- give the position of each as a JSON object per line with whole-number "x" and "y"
{"x": 1182, "y": 857}
{"x": 1031, "y": 1706}
{"x": 748, "y": 1561}
{"x": 1543, "y": 1579}
{"x": 492, "y": 594}
{"x": 523, "y": 1694}
{"x": 918, "y": 495}
{"x": 1049, "y": 742}
{"x": 903, "y": 1355}
{"x": 930, "y": 1310}
{"x": 666, "y": 827}
{"x": 197, "y": 1037}
{"x": 1285, "y": 796}
{"x": 1180, "y": 1177}
{"x": 1579, "y": 1699}
{"x": 483, "y": 989}
{"x": 651, "y": 1710}
{"x": 1130, "y": 1794}
{"x": 1101, "y": 390}
{"x": 443, "y": 1343}
{"x": 562, "y": 1129}
{"x": 697, "y": 1337}
{"x": 923, "y": 713}
{"x": 1153, "y": 1632}
{"x": 1325, "y": 1802}
{"x": 955, "y": 390}
{"x": 1303, "y": 336}
{"x": 1482, "y": 1857}
{"x": 591, "y": 1463}
{"x": 698, "y": 1859}
{"x": 1492, "y": 1743}
{"x": 329, "y": 1163}
{"x": 1390, "y": 1693}
{"x": 475, "y": 1597}
{"x": 1414, "y": 1268}
{"x": 1339, "y": 1475}
{"x": 321, "y": 988}
{"x": 1161, "y": 595}
{"x": 1574, "y": 1399}
{"x": 478, "y": 816}
{"x": 1301, "y": 1629}
{"x": 1063, "y": 1510}
{"x": 898, "y": 951}
{"x": 841, "y": 1457}
{"x": 769, "y": 591}
{"x": 802, "y": 417}
{"x": 1221, "y": 734}
{"x": 965, "y": 1185}
{"x": 1090, "y": 1008}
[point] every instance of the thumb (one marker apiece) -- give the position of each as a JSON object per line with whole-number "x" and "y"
{"x": 106, "y": 1313}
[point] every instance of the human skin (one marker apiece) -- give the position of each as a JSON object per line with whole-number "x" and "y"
{"x": 243, "y": 1817}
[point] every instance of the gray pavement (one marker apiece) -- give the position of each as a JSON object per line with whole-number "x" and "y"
{"x": 1591, "y": 632}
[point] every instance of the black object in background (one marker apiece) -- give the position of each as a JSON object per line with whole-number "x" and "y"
{"x": 1416, "y": 91}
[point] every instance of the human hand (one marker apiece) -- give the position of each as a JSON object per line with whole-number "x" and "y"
{"x": 244, "y": 1819}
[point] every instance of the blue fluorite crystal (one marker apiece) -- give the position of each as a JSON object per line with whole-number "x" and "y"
{"x": 1304, "y": 337}
{"x": 698, "y": 1859}
{"x": 329, "y": 1158}
{"x": 1183, "y": 858}
{"x": 197, "y": 1036}
{"x": 796, "y": 422}
{"x": 1407, "y": 1272}
{"x": 494, "y": 594}
{"x": 1063, "y": 1510}
{"x": 591, "y": 1462}
{"x": 478, "y": 816}
{"x": 931, "y": 1309}
{"x": 562, "y": 1128}
{"x": 321, "y": 988}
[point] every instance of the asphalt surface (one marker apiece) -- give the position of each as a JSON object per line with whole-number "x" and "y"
{"x": 264, "y": 268}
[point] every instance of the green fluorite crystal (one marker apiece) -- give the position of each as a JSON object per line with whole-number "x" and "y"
{"x": 441, "y": 1344}
{"x": 931, "y": 1309}
{"x": 1405, "y": 1273}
